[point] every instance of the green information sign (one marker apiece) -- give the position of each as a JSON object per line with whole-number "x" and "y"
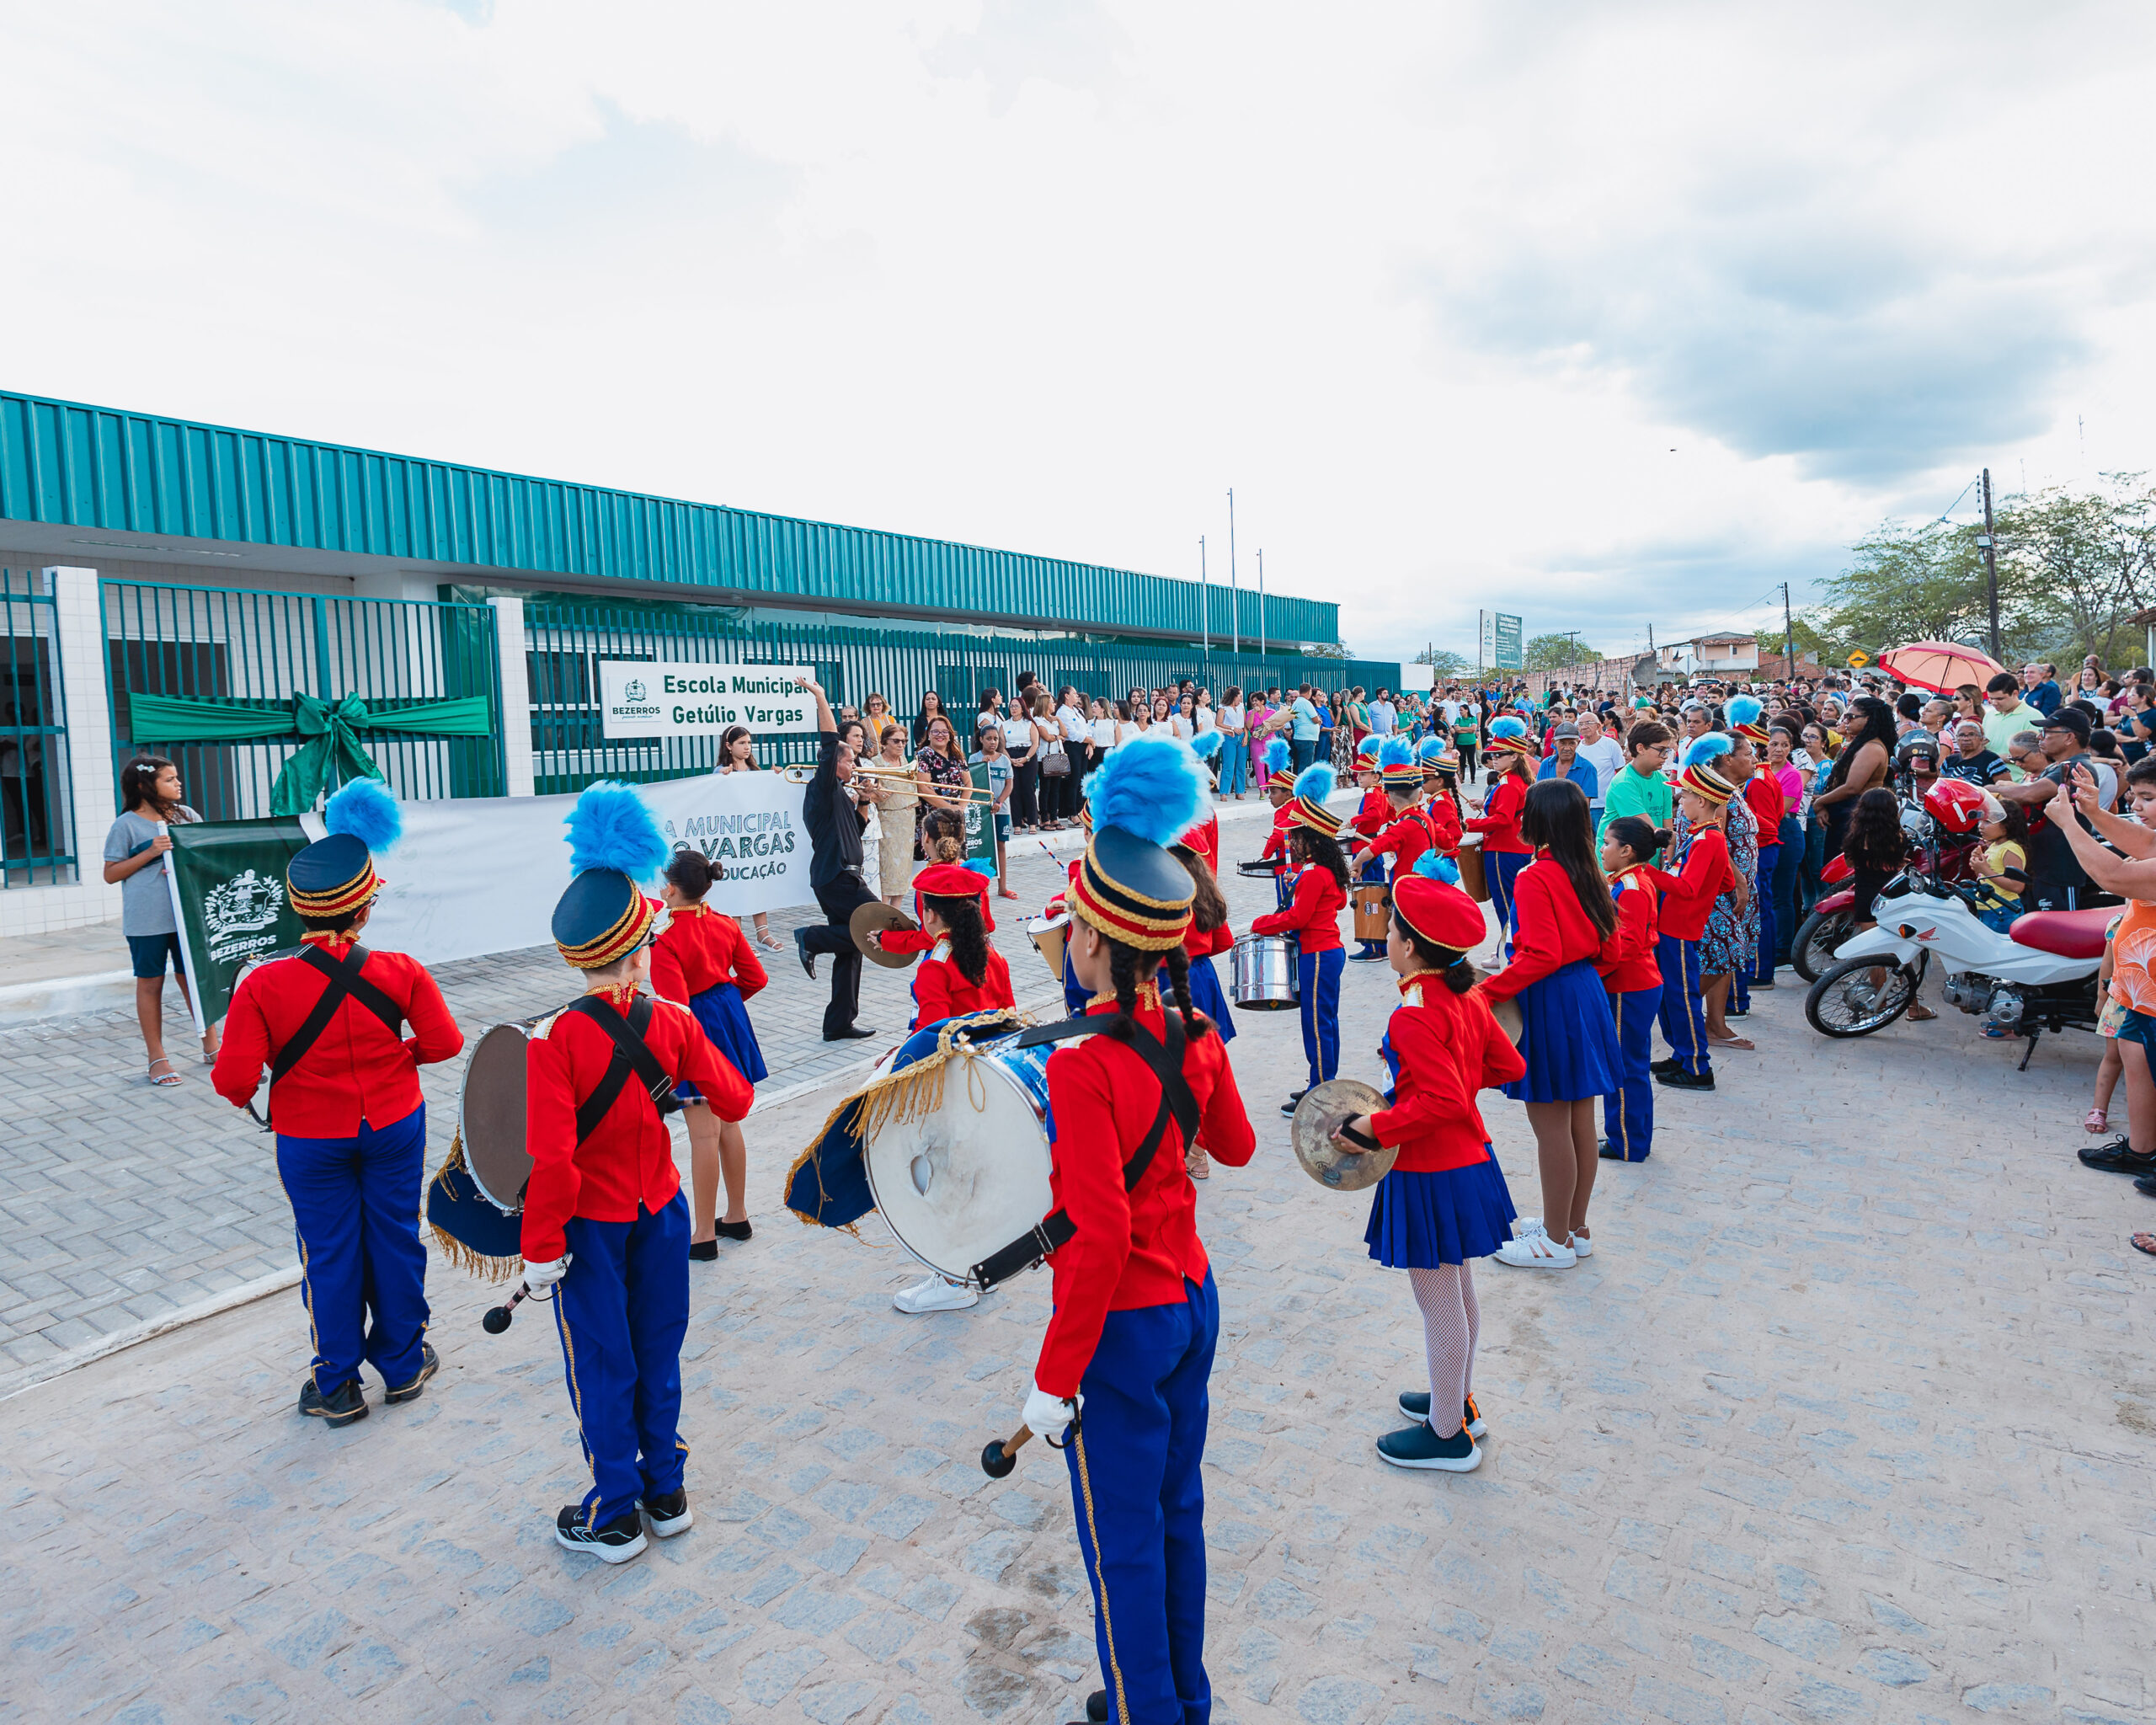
{"x": 227, "y": 883}
{"x": 1509, "y": 644}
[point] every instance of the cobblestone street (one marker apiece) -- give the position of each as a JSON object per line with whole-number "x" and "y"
{"x": 1849, "y": 1418}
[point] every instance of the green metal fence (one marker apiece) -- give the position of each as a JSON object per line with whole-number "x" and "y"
{"x": 566, "y": 642}
{"x": 36, "y": 794}
{"x": 268, "y": 647}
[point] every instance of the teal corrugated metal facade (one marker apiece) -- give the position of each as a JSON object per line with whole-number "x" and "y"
{"x": 66, "y": 464}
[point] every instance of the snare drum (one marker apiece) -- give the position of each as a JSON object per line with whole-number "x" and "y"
{"x": 960, "y": 1182}
{"x": 1470, "y": 868}
{"x": 1049, "y": 935}
{"x": 1264, "y": 973}
{"x": 1373, "y": 912}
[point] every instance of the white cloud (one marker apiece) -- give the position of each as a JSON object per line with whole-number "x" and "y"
{"x": 1612, "y": 315}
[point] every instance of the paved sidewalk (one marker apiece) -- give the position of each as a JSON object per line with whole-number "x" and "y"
{"x": 1850, "y": 1418}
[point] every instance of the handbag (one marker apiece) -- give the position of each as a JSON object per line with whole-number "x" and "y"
{"x": 1056, "y": 766}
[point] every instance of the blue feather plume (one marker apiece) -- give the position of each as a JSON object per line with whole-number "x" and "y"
{"x": 1207, "y": 745}
{"x": 609, "y": 827}
{"x": 1742, "y": 709}
{"x": 1435, "y": 865}
{"x": 1314, "y": 784}
{"x": 1705, "y": 751}
{"x": 1433, "y": 747}
{"x": 1395, "y": 751}
{"x": 365, "y": 808}
{"x": 1278, "y": 755}
{"x": 1508, "y": 726}
{"x": 1152, "y": 788}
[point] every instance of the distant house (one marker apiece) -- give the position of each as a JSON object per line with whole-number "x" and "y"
{"x": 1710, "y": 655}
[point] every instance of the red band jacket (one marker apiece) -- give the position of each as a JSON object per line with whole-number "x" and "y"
{"x": 1703, "y": 875}
{"x": 698, "y": 950}
{"x": 941, "y": 991}
{"x": 1499, "y": 820}
{"x": 1628, "y": 961}
{"x": 1443, "y": 1048}
{"x": 1313, "y": 915}
{"x": 1553, "y": 929}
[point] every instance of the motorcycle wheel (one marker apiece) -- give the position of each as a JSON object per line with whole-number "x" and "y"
{"x": 1817, "y": 936}
{"x": 1844, "y": 1002}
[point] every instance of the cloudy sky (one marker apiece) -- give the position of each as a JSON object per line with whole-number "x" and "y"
{"x": 1608, "y": 314}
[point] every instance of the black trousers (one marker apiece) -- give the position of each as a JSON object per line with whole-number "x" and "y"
{"x": 840, "y": 899}
{"x": 1025, "y": 808}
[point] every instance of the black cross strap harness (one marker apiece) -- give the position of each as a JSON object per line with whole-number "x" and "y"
{"x": 631, "y": 1054}
{"x": 1177, "y": 1102}
{"x": 345, "y": 984}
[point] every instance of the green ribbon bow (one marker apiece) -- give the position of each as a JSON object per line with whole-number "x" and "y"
{"x": 331, "y": 753}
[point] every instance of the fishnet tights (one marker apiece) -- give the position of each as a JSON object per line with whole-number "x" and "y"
{"x": 1452, "y": 1321}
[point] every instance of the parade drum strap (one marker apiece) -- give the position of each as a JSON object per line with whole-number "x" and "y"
{"x": 345, "y": 983}
{"x": 630, "y": 1054}
{"x": 1177, "y": 1103}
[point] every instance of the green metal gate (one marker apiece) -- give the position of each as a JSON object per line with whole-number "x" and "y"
{"x": 229, "y": 645}
{"x": 36, "y": 792}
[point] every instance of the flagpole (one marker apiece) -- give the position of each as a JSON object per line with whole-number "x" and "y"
{"x": 1235, "y": 594}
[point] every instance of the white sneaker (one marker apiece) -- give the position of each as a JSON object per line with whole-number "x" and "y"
{"x": 1582, "y": 1247}
{"x": 1531, "y": 1248}
{"x": 935, "y": 1294}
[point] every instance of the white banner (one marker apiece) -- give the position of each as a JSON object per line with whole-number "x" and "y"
{"x": 642, "y": 698}
{"x": 475, "y": 875}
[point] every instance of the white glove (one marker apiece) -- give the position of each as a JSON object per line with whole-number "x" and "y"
{"x": 1045, "y": 1415}
{"x": 545, "y": 1275}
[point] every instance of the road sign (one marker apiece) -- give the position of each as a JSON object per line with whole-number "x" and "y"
{"x": 1859, "y": 659}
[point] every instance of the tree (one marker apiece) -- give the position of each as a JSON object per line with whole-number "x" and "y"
{"x": 2087, "y": 562}
{"x": 1556, "y": 652}
{"x": 1444, "y": 664}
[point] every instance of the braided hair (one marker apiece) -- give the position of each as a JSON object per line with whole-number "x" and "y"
{"x": 965, "y": 931}
{"x": 1128, "y": 967}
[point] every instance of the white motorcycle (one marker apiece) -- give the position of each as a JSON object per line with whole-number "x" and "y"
{"x": 2039, "y": 976}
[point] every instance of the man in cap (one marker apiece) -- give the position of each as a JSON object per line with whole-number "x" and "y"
{"x": 2056, "y": 880}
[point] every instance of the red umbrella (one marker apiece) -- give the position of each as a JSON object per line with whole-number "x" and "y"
{"x": 1939, "y": 665}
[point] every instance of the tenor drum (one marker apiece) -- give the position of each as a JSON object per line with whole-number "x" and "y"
{"x": 1471, "y": 869}
{"x": 1265, "y": 973}
{"x": 961, "y": 1182}
{"x": 1049, "y": 935}
{"x": 1372, "y": 911}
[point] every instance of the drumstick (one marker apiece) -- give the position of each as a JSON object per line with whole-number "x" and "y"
{"x": 497, "y": 1319}
{"x": 1001, "y": 1454}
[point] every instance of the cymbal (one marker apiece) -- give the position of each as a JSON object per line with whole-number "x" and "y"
{"x": 1506, "y": 1012}
{"x": 873, "y": 918}
{"x": 1322, "y": 1108}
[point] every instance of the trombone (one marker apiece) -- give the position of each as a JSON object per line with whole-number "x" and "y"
{"x": 968, "y": 793}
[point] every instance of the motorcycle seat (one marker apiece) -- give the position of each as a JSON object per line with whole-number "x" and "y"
{"x": 2067, "y": 934}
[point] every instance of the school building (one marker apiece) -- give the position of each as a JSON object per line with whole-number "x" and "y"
{"x": 229, "y": 598}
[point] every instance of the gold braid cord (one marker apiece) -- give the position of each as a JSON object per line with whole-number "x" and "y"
{"x": 487, "y": 1270}
{"x": 913, "y": 1093}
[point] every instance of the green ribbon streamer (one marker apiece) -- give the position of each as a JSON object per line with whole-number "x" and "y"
{"x": 330, "y": 754}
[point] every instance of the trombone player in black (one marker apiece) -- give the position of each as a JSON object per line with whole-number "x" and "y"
{"x": 835, "y": 828}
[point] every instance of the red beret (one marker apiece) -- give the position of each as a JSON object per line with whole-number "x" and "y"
{"x": 1442, "y": 915}
{"x": 947, "y": 880}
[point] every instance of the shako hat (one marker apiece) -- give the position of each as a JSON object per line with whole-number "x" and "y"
{"x": 1131, "y": 887}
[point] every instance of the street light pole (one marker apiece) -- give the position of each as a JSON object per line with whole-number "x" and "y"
{"x": 1261, "y": 605}
{"x": 1235, "y": 594}
{"x": 1205, "y": 622}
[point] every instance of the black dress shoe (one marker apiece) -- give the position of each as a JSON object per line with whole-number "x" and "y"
{"x": 852, "y": 1033}
{"x": 2119, "y": 1157}
{"x": 736, "y": 1230}
{"x": 430, "y": 1364}
{"x": 808, "y": 958}
{"x": 2147, "y": 1185}
{"x": 1097, "y": 1706}
{"x": 702, "y": 1250}
{"x": 341, "y": 1407}
{"x": 1686, "y": 1080}
{"x": 1609, "y": 1152}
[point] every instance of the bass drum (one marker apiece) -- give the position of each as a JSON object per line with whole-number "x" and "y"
{"x": 490, "y": 1116}
{"x": 959, "y": 1182}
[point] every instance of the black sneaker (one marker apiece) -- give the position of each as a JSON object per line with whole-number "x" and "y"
{"x": 808, "y": 958}
{"x": 1363, "y": 956}
{"x": 670, "y": 1514}
{"x": 1293, "y": 1096}
{"x": 1416, "y": 1405}
{"x": 1686, "y": 1080}
{"x": 341, "y": 1407}
{"x": 1672, "y": 1065}
{"x": 1609, "y": 1152}
{"x": 2119, "y": 1157}
{"x": 616, "y": 1542}
{"x": 430, "y": 1364}
{"x": 1418, "y": 1446}
{"x": 2146, "y": 1185}
{"x": 1096, "y": 1707}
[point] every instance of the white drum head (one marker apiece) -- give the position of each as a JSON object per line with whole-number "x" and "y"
{"x": 964, "y": 1182}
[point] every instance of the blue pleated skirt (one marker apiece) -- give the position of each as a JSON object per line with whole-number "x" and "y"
{"x": 1208, "y": 997}
{"x": 725, "y": 1020}
{"x": 1420, "y": 1220}
{"x": 1570, "y": 1041}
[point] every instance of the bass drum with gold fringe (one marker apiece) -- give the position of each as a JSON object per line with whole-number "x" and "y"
{"x": 475, "y": 1202}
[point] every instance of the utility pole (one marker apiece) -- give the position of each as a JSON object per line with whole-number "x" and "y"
{"x": 1261, "y": 603}
{"x": 1788, "y": 639}
{"x": 1235, "y": 594}
{"x": 1205, "y": 622}
{"x": 1990, "y": 566}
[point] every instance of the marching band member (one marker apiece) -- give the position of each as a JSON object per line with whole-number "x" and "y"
{"x": 1564, "y": 918}
{"x": 604, "y": 1215}
{"x": 1444, "y": 1202}
{"x": 1210, "y": 933}
{"x": 1631, "y": 976}
{"x": 344, "y": 1099}
{"x": 961, "y": 974}
{"x": 1371, "y": 817}
{"x": 1510, "y": 754}
{"x": 1129, "y": 1347}
{"x": 1441, "y": 804}
{"x": 1407, "y": 835}
{"x": 1313, "y": 917}
{"x": 701, "y": 961}
{"x": 1703, "y": 874}
{"x": 1204, "y": 837}
{"x": 1280, "y": 792}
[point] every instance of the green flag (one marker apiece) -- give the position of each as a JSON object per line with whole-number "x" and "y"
{"x": 980, "y": 825}
{"x": 227, "y": 882}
